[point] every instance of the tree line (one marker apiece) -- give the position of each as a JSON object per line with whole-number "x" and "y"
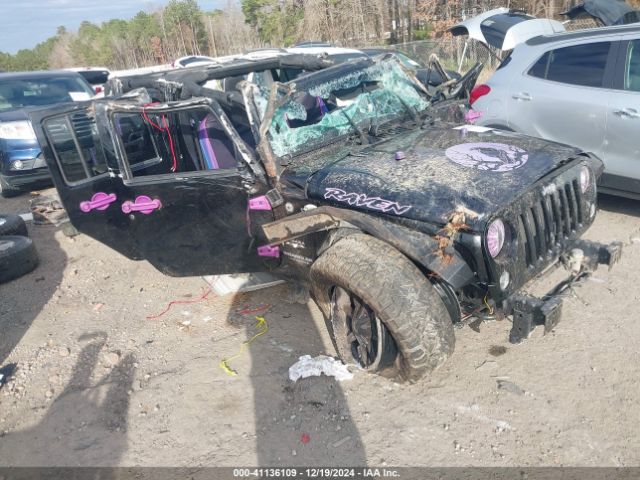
{"x": 183, "y": 28}
{"x": 149, "y": 38}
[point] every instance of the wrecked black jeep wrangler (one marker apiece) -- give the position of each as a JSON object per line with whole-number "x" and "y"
{"x": 401, "y": 225}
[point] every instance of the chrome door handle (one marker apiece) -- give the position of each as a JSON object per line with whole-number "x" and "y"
{"x": 523, "y": 96}
{"x": 627, "y": 112}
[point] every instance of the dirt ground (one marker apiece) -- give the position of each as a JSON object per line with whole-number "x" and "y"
{"x": 99, "y": 384}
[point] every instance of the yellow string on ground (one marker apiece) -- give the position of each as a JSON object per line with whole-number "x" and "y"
{"x": 262, "y": 328}
{"x": 489, "y": 307}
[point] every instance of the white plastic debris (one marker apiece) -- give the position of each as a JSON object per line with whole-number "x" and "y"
{"x": 241, "y": 282}
{"x": 306, "y": 366}
{"x": 575, "y": 260}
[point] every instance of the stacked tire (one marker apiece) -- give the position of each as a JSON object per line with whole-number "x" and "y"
{"x": 18, "y": 255}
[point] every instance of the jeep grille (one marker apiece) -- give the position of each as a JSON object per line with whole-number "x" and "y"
{"x": 551, "y": 219}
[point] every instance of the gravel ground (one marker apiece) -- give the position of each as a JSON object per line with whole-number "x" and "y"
{"x": 97, "y": 383}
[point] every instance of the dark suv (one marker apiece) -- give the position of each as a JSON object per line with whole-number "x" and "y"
{"x": 345, "y": 181}
{"x": 21, "y": 163}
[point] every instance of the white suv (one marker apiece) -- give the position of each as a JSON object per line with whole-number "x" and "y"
{"x": 580, "y": 88}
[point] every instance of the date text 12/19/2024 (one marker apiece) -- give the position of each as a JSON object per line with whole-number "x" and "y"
{"x": 307, "y": 473}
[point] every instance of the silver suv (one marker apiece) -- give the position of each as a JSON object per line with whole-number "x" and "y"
{"x": 580, "y": 88}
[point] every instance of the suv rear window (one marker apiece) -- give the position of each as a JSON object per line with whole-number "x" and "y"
{"x": 495, "y": 28}
{"x": 576, "y": 65}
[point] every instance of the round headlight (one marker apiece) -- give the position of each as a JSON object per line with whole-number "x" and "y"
{"x": 495, "y": 237}
{"x": 585, "y": 179}
{"x": 16, "y": 165}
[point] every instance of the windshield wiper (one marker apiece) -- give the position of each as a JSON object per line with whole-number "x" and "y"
{"x": 374, "y": 130}
{"x": 358, "y": 130}
{"x": 411, "y": 111}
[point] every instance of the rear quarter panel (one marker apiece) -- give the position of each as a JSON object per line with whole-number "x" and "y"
{"x": 495, "y": 106}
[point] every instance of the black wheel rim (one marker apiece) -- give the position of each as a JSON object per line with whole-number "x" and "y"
{"x": 360, "y": 336}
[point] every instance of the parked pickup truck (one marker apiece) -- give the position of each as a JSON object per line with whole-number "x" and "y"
{"x": 346, "y": 181}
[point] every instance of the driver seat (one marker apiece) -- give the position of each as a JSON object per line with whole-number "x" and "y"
{"x": 217, "y": 148}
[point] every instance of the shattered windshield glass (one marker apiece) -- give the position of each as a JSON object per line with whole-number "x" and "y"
{"x": 347, "y": 104}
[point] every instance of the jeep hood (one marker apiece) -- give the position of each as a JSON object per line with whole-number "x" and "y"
{"x": 439, "y": 170}
{"x": 503, "y": 28}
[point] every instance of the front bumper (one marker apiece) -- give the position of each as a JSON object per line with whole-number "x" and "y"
{"x": 529, "y": 312}
{"x": 29, "y": 178}
{"x": 33, "y": 172}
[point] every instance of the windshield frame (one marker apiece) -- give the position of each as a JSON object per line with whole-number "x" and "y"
{"x": 281, "y": 92}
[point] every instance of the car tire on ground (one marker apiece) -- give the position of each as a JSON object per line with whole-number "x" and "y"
{"x": 18, "y": 257}
{"x": 360, "y": 280}
{"x": 12, "y": 225}
{"x": 7, "y": 190}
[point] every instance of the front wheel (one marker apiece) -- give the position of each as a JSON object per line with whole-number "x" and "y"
{"x": 382, "y": 313}
{"x": 359, "y": 334}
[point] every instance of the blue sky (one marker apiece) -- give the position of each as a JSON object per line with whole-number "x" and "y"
{"x": 24, "y": 23}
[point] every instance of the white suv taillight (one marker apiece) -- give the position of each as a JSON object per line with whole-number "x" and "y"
{"x": 479, "y": 91}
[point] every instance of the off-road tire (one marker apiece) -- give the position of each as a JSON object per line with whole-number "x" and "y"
{"x": 18, "y": 257}
{"x": 399, "y": 294}
{"x": 7, "y": 190}
{"x": 12, "y": 225}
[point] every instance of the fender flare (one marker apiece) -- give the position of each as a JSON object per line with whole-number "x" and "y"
{"x": 420, "y": 247}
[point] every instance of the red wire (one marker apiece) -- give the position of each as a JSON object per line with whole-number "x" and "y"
{"x": 164, "y": 129}
{"x": 252, "y": 311}
{"x": 181, "y": 302}
{"x": 146, "y": 117}
{"x": 173, "y": 152}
